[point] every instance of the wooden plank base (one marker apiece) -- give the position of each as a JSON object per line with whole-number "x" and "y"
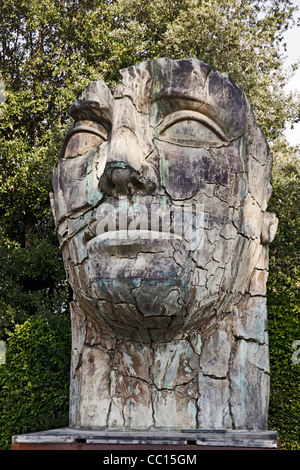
{"x": 185, "y": 440}
{"x": 128, "y": 447}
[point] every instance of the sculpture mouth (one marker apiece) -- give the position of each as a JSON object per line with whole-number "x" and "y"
{"x": 146, "y": 221}
{"x": 136, "y": 235}
{"x": 136, "y": 240}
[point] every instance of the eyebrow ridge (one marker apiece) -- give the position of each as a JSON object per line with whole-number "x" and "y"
{"x": 182, "y": 96}
{"x": 91, "y": 111}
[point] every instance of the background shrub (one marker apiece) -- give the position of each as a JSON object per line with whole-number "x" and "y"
{"x": 34, "y": 382}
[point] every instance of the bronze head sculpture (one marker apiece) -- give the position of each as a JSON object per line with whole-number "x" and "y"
{"x": 160, "y": 199}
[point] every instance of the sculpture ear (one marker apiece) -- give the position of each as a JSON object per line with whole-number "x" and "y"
{"x": 269, "y": 228}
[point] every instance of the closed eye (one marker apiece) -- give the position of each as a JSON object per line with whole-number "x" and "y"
{"x": 191, "y": 129}
{"x": 82, "y": 139}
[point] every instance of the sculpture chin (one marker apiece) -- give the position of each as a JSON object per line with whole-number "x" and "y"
{"x": 143, "y": 287}
{"x": 135, "y": 286}
{"x": 136, "y": 309}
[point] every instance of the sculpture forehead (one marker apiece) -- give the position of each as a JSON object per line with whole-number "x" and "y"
{"x": 162, "y": 86}
{"x": 150, "y": 81}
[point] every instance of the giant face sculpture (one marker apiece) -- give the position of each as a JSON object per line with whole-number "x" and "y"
{"x": 160, "y": 199}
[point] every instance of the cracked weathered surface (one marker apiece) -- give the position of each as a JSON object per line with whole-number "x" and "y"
{"x": 166, "y": 333}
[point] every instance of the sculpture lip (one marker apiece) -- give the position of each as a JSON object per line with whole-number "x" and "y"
{"x": 123, "y": 237}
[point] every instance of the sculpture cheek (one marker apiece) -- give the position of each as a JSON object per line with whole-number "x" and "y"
{"x": 75, "y": 184}
{"x": 182, "y": 168}
{"x": 71, "y": 180}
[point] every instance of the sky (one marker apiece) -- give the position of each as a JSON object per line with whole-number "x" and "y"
{"x": 292, "y": 38}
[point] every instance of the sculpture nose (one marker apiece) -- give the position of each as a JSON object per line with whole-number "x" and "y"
{"x": 127, "y": 171}
{"x": 120, "y": 179}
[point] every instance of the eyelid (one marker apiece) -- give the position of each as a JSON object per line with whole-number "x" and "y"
{"x": 190, "y": 115}
{"x": 78, "y": 129}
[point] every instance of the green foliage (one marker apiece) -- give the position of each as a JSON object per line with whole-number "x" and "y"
{"x": 240, "y": 37}
{"x": 32, "y": 282}
{"x": 34, "y": 381}
{"x": 49, "y": 51}
{"x": 284, "y": 297}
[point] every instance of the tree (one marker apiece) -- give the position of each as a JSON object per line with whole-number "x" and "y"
{"x": 34, "y": 382}
{"x": 284, "y": 296}
{"x": 241, "y": 37}
{"x": 46, "y": 61}
{"x": 49, "y": 51}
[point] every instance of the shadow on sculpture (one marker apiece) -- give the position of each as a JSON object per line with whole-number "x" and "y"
{"x": 160, "y": 199}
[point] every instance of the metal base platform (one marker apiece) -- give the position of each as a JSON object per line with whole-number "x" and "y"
{"x": 187, "y": 440}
